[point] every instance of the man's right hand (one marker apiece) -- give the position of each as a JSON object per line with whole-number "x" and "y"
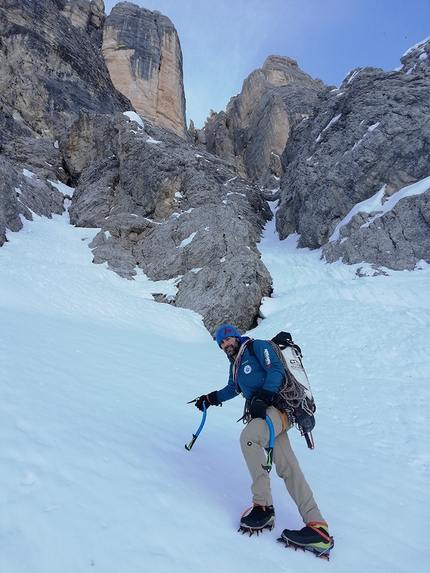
{"x": 208, "y": 400}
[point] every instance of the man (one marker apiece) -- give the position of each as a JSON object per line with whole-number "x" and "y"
{"x": 258, "y": 376}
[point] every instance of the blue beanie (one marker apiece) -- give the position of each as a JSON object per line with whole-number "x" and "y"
{"x": 226, "y": 331}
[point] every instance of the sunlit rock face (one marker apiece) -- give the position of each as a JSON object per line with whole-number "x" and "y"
{"x": 143, "y": 54}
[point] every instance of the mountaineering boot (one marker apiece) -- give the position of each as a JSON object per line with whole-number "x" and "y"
{"x": 260, "y": 517}
{"x": 314, "y": 537}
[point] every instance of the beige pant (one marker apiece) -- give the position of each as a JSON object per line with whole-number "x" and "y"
{"x": 253, "y": 440}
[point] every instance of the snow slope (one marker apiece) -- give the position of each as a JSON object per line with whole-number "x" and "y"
{"x": 95, "y": 377}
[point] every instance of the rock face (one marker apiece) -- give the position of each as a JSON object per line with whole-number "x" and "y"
{"x": 89, "y": 16}
{"x": 172, "y": 212}
{"x": 371, "y": 133}
{"x": 192, "y": 214}
{"x": 397, "y": 239}
{"x": 251, "y": 134}
{"x": 49, "y": 70}
{"x": 144, "y": 58}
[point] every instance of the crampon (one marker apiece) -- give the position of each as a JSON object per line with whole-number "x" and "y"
{"x": 251, "y": 530}
{"x": 325, "y": 554}
{"x": 256, "y": 519}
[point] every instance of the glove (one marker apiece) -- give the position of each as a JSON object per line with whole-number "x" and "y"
{"x": 207, "y": 400}
{"x": 260, "y": 402}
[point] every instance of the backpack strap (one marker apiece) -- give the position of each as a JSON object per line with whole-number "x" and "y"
{"x": 238, "y": 360}
{"x": 250, "y": 347}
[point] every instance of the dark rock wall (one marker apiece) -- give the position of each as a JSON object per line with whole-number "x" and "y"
{"x": 50, "y": 69}
{"x": 172, "y": 212}
{"x": 373, "y": 131}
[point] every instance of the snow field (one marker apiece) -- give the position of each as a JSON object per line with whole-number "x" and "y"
{"x": 93, "y": 417}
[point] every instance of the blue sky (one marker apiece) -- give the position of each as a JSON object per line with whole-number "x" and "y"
{"x": 223, "y": 41}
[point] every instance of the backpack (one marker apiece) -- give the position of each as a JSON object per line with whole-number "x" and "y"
{"x": 295, "y": 395}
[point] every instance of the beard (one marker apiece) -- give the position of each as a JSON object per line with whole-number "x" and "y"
{"x": 232, "y": 348}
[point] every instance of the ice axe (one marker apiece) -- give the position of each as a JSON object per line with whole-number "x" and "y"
{"x": 199, "y": 429}
{"x": 268, "y": 465}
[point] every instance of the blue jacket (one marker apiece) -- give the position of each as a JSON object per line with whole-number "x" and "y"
{"x": 264, "y": 370}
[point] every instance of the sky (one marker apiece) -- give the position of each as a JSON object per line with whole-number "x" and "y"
{"x": 223, "y": 41}
{"x": 95, "y": 380}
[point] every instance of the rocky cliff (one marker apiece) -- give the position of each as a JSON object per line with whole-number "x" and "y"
{"x": 162, "y": 206}
{"x": 49, "y": 70}
{"x": 352, "y": 163}
{"x": 371, "y": 134}
{"x": 172, "y": 212}
{"x": 252, "y": 132}
{"x": 144, "y": 57}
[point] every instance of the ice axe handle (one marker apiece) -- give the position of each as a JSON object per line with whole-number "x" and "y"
{"x": 196, "y": 435}
{"x": 268, "y": 465}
